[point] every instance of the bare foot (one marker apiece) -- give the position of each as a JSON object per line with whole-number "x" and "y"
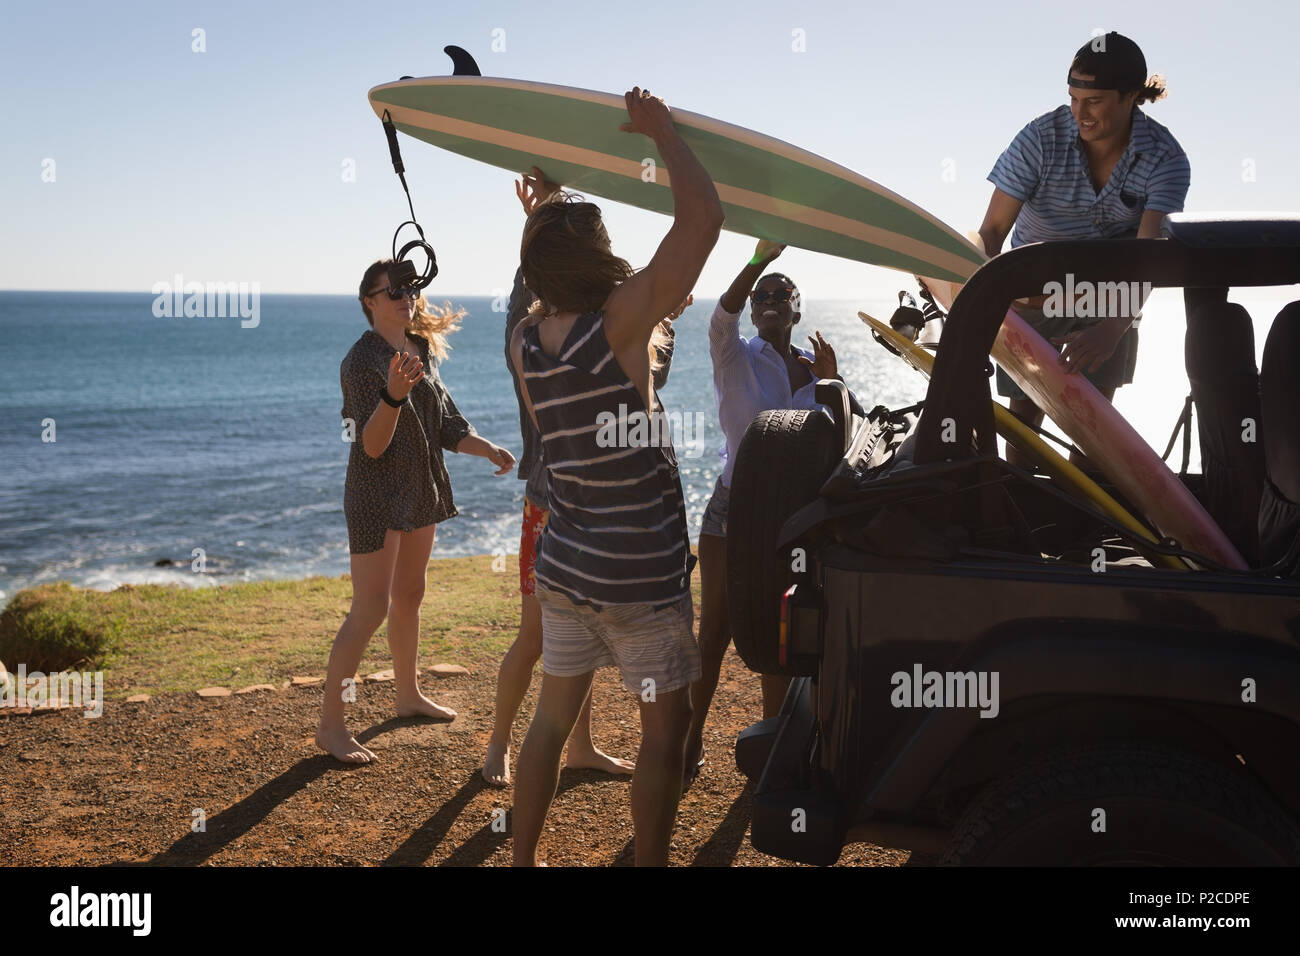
{"x": 343, "y": 746}
{"x": 496, "y": 765}
{"x": 694, "y": 751}
{"x": 594, "y": 759}
{"x": 421, "y": 706}
{"x": 694, "y": 763}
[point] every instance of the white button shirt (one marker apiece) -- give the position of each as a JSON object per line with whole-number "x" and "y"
{"x": 749, "y": 377}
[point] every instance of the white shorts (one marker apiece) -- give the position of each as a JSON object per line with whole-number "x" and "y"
{"x": 647, "y": 644}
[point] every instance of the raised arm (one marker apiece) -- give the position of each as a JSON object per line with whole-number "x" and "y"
{"x": 733, "y": 300}
{"x": 362, "y": 386}
{"x": 724, "y": 331}
{"x": 637, "y": 305}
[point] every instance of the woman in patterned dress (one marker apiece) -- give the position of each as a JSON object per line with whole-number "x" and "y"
{"x": 402, "y": 418}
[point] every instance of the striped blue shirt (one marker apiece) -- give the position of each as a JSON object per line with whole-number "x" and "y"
{"x": 1046, "y": 168}
{"x": 616, "y": 533}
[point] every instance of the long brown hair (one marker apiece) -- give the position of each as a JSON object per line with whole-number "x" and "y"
{"x": 568, "y": 264}
{"x": 432, "y": 323}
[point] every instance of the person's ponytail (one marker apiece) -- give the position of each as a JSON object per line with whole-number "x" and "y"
{"x": 1154, "y": 90}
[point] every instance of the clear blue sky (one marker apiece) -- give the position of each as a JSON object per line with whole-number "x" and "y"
{"x": 226, "y": 165}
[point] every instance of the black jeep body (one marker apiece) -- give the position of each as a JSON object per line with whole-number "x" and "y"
{"x": 1143, "y": 714}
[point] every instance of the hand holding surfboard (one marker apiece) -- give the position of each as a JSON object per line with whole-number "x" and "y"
{"x": 533, "y": 189}
{"x": 648, "y": 115}
{"x": 766, "y": 251}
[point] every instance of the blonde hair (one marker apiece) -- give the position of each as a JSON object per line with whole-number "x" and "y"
{"x": 434, "y": 324}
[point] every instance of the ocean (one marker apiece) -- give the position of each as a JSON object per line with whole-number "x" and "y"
{"x": 177, "y": 433}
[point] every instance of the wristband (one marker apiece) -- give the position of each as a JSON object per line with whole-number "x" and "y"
{"x": 389, "y": 400}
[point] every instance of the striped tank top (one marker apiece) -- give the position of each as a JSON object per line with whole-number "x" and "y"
{"x": 616, "y": 533}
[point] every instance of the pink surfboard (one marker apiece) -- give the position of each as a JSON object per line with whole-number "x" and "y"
{"x": 1104, "y": 435}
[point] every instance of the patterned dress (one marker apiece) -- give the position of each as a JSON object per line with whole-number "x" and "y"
{"x": 407, "y": 487}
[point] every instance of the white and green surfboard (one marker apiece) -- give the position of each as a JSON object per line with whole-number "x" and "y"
{"x": 769, "y": 189}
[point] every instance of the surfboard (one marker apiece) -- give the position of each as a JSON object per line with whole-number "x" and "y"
{"x": 1013, "y": 429}
{"x": 1103, "y": 434}
{"x": 773, "y": 190}
{"x": 769, "y": 189}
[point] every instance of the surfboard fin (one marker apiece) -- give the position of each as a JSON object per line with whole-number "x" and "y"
{"x": 462, "y": 63}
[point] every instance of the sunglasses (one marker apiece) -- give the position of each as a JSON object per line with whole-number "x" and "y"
{"x": 759, "y": 296}
{"x": 406, "y": 292}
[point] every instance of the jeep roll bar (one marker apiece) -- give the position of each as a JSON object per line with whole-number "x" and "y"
{"x": 1201, "y": 252}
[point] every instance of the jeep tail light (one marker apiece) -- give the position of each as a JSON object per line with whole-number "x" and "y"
{"x": 799, "y": 633}
{"x": 783, "y": 640}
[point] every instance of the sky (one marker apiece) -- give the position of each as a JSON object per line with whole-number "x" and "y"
{"x": 128, "y": 157}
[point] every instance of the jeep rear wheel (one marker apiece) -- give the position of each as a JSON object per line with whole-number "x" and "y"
{"x": 1124, "y": 806}
{"x": 782, "y": 462}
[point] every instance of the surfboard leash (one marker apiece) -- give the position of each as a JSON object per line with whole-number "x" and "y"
{"x": 402, "y": 272}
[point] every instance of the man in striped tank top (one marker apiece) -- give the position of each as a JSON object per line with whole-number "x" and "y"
{"x": 614, "y": 562}
{"x": 516, "y": 671}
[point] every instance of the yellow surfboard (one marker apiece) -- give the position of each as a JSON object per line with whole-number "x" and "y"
{"x": 1024, "y": 437}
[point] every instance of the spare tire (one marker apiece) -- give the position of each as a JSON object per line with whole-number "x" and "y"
{"x": 783, "y": 460}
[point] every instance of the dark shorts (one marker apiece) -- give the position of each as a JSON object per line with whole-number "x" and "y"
{"x": 1114, "y": 372}
{"x": 715, "y": 515}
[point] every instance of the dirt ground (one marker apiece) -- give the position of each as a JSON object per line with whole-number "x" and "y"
{"x": 125, "y": 787}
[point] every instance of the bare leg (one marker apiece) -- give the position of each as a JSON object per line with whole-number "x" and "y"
{"x": 515, "y": 675}
{"x": 371, "y": 577}
{"x": 1031, "y": 414}
{"x": 513, "y": 678}
{"x": 657, "y": 783}
{"x": 539, "y": 759}
{"x": 715, "y": 635}
{"x": 583, "y": 754}
{"x": 404, "y": 623}
{"x": 774, "y": 688}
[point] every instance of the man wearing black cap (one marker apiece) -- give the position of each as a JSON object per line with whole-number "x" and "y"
{"x": 1098, "y": 168}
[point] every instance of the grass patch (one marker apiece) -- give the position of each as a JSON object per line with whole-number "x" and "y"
{"x": 157, "y": 639}
{"x": 57, "y": 627}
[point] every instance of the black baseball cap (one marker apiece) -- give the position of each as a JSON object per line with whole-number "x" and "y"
{"x": 1115, "y": 62}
